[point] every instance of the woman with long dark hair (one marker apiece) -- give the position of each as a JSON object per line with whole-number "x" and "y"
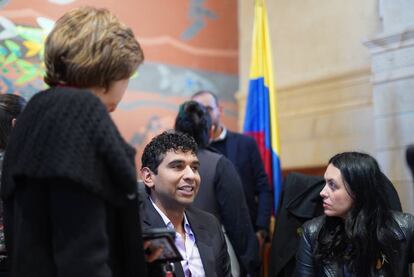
{"x": 359, "y": 235}
{"x": 11, "y": 105}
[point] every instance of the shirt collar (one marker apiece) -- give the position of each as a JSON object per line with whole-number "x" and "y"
{"x": 168, "y": 222}
{"x": 223, "y": 134}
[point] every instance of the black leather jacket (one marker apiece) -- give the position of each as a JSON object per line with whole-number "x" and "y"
{"x": 306, "y": 266}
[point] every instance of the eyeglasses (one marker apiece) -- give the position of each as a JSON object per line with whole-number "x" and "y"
{"x": 210, "y": 108}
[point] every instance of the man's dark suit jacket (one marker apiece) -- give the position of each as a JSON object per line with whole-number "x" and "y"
{"x": 242, "y": 150}
{"x": 209, "y": 237}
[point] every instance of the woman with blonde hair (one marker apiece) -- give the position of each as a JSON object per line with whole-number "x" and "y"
{"x": 69, "y": 178}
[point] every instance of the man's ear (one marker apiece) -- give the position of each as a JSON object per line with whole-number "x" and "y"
{"x": 221, "y": 109}
{"x": 13, "y": 122}
{"x": 147, "y": 177}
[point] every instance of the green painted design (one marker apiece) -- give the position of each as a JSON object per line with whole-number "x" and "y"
{"x": 25, "y": 65}
{"x": 31, "y": 34}
{"x": 30, "y": 72}
{"x": 13, "y": 47}
{"x": 25, "y": 79}
{"x": 21, "y": 60}
{"x": 3, "y": 51}
{"x": 10, "y": 59}
{"x": 135, "y": 75}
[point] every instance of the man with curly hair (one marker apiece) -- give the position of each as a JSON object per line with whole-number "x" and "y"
{"x": 170, "y": 174}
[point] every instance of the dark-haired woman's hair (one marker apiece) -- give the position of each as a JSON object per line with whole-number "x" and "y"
{"x": 193, "y": 119}
{"x": 365, "y": 235}
{"x": 11, "y": 105}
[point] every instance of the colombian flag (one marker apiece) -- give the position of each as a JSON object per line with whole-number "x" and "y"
{"x": 261, "y": 107}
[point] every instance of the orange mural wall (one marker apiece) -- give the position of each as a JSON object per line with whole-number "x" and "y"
{"x": 188, "y": 44}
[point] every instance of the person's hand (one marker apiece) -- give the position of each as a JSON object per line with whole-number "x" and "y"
{"x": 260, "y": 239}
{"x": 151, "y": 253}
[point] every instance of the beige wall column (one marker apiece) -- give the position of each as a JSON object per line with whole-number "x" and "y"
{"x": 392, "y": 64}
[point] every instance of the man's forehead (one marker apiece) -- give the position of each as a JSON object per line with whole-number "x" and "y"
{"x": 180, "y": 155}
{"x": 205, "y": 99}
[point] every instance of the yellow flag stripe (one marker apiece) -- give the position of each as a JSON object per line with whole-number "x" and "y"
{"x": 261, "y": 66}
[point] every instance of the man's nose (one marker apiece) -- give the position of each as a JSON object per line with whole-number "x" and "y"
{"x": 189, "y": 172}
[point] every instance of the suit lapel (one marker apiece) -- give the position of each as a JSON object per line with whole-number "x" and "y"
{"x": 203, "y": 243}
{"x": 152, "y": 219}
{"x": 231, "y": 146}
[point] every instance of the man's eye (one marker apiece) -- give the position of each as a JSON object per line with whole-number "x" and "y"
{"x": 208, "y": 108}
{"x": 177, "y": 166}
{"x": 195, "y": 168}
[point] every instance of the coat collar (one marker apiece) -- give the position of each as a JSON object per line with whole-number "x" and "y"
{"x": 302, "y": 194}
{"x": 203, "y": 241}
{"x": 152, "y": 219}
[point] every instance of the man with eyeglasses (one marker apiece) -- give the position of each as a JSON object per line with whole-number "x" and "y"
{"x": 242, "y": 150}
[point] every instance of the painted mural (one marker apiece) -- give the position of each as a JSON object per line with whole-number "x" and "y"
{"x": 188, "y": 44}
